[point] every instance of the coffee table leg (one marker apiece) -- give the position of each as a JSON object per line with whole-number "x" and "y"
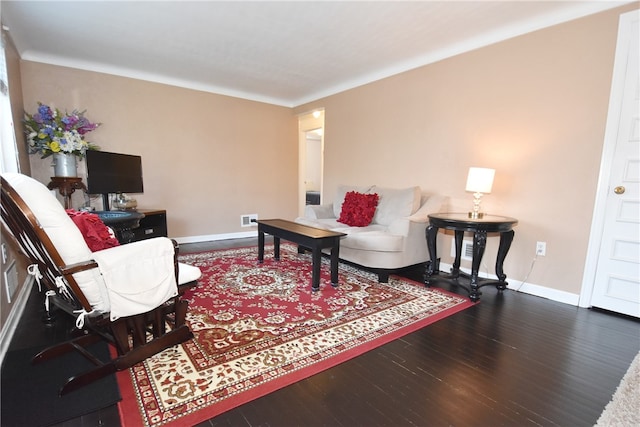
{"x": 335, "y": 252}
{"x": 276, "y": 248}
{"x": 316, "y": 260}
{"x": 260, "y": 245}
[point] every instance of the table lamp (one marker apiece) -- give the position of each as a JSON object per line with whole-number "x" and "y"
{"x": 479, "y": 181}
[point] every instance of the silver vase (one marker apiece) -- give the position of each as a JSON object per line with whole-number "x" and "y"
{"x": 65, "y": 165}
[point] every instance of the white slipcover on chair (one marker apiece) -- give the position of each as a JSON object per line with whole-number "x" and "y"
{"x": 131, "y": 279}
{"x": 127, "y": 295}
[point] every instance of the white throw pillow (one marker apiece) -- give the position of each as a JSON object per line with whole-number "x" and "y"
{"x": 395, "y": 203}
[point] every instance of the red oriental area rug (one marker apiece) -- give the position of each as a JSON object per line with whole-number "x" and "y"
{"x": 258, "y": 328}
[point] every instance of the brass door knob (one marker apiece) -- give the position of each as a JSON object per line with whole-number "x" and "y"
{"x": 619, "y": 189}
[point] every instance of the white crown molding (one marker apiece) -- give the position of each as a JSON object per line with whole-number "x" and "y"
{"x": 584, "y": 9}
{"x": 581, "y": 9}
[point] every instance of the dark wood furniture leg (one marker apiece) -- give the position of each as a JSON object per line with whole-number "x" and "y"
{"x": 432, "y": 233}
{"x": 260, "y": 245}
{"x": 479, "y": 244}
{"x": 276, "y": 248}
{"x": 316, "y": 261}
{"x": 335, "y": 252}
{"x": 505, "y": 243}
{"x": 459, "y": 237}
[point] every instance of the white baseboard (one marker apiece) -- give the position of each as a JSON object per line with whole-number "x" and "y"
{"x": 14, "y": 317}
{"x": 544, "y": 292}
{"x": 215, "y": 237}
{"x": 528, "y": 288}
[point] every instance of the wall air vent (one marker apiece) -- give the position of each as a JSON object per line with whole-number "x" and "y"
{"x": 467, "y": 249}
{"x": 248, "y": 220}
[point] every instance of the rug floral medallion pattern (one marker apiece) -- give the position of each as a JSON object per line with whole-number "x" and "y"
{"x": 257, "y": 323}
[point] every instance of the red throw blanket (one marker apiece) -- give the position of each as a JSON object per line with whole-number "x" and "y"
{"x": 97, "y": 235}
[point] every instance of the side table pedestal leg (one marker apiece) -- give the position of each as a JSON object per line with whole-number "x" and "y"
{"x": 431, "y": 234}
{"x": 505, "y": 243}
{"x": 479, "y": 244}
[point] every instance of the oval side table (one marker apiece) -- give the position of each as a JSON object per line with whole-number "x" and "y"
{"x": 461, "y": 223}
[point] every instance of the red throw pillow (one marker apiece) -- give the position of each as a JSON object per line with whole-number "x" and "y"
{"x": 95, "y": 233}
{"x": 358, "y": 209}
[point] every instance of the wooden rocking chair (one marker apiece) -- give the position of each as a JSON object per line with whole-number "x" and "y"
{"x": 125, "y": 295}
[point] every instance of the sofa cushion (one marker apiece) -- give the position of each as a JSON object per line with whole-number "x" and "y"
{"x": 431, "y": 203}
{"x": 395, "y": 203}
{"x": 373, "y": 238}
{"x": 342, "y": 192}
{"x": 358, "y": 209}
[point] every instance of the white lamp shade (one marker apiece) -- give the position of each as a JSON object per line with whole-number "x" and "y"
{"x": 480, "y": 180}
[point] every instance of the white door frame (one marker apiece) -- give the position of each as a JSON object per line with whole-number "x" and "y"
{"x": 608, "y": 151}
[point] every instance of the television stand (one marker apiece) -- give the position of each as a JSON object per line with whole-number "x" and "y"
{"x": 134, "y": 225}
{"x": 122, "y": 223}
{"x": 154, "y": 224}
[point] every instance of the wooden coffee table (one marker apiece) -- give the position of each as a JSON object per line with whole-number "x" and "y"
{"x": 314, "y": 239}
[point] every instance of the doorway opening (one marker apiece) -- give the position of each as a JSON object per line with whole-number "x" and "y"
{"x": 313, "y": 172}
{"x": 311, "y": 155}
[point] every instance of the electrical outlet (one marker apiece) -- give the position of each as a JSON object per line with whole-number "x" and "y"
{"x": 541, "y": 248}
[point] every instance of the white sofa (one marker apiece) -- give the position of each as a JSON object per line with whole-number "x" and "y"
{"x": 394, "y": 240}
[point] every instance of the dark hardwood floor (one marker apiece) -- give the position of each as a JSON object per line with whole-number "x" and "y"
{"x": 512, "y": 360}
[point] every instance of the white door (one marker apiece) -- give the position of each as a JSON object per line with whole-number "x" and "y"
{"x": 616, "y": 284}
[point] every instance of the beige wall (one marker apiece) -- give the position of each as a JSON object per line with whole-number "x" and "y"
{"x": 206, "y": 158}
{"x": 533, "y": 107}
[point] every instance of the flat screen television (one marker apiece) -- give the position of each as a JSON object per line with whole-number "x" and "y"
{"x": 109, "y": 173}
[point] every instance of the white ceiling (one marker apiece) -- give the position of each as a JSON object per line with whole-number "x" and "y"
{"x": 284, "y": 53}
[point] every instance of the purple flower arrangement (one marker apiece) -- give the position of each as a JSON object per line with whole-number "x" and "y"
{"x": 49, "y": 132}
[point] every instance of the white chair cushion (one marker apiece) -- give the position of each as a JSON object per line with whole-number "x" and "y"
{"x": 187, "y": 273}
{"x": 63, "y": 233}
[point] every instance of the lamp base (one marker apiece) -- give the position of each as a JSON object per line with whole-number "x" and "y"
{"x": 476, "y": 215}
